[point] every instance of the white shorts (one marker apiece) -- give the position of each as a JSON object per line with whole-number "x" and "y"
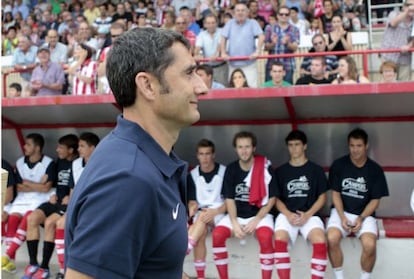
{"x": 369, "y": 225}
{"x": 267, "y": 221}
{"x": 282, "y": 224}
{"x": 7, "y": 208}
{"x": 29, "y": 201}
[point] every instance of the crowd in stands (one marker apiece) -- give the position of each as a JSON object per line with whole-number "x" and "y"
{"x": 74, "y": 37}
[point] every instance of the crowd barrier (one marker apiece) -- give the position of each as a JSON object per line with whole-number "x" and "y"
{"x": 359, "y": 52}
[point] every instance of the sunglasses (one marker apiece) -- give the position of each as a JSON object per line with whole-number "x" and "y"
{"x": 283, "y": 14}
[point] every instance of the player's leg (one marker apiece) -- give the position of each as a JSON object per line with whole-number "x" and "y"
{"x": 314, "y": 231}
{"x": 200, "y": 252}
{"x": 4, "y": 217}
{"x": 283, "y": 233}
{"x": 195, "y": 232}
{"x": 7, "y": 260}
{"x": 335, "y": 233}
{"x": 368, "y": 236}
{"x": 60, "y": 244}
{"x": 17, "y": 241}
{"x": 264, "y": 234}
{"x": 220, "y": 234}
{"x": 368, "y": 255}
{"x": 34, "y": 221}
{"x": 48, "y": 246}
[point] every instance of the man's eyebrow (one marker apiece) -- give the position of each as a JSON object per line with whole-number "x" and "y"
{"x": 190, "y": 68}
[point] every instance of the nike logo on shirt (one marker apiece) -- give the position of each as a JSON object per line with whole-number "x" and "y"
{"x": 175, "y": 211}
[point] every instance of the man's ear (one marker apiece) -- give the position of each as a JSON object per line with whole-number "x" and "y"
{"x": 145, "y": 85}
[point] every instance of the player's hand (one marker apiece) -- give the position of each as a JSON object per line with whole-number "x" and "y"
{"x": 357, "y": 225}
{"x": 44, "y": 179}
{"x": 53, "y": 199}
{"x": 293, "y": 218}
{"x": 207, "y": 215}
{"x": 347, "y": 224}
{"x": 251, "y": 226}
{"x": 65, "y": 200}
{"x": 239, "y": 232}
{"x": 303, "y": 217}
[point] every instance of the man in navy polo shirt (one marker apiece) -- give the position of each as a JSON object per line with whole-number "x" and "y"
{"x": 127, "y": 216}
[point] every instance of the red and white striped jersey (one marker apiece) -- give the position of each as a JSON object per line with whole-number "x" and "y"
{"x": 89, "y": 69}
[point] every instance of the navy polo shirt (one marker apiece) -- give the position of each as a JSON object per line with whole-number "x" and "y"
{"x": 127, "y": 217}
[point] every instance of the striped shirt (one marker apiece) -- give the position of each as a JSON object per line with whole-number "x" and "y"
{"x": 89, "y": 69}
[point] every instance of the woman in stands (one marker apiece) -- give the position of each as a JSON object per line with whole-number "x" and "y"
{"x": 339, "y": 39}
{"x": 238, "y": 79}
{"x": 83, "y": 71}
{"x": 388, "y": 71}
{"x": 348, "y": 72}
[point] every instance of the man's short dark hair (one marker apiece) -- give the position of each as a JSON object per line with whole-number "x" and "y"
{"x": 320, "y": 58}
{"x": 245, "y": 134}
{"x": 70, "y": 141}
{"x": 212, "y": 16}
{"x": 296, "y": 135}
{"x": 16, "y": 86}
{"x": 38, "y": 140}
{"x": 206, "y": 68}
{"x": 277, "y": 63}
{"x": 295, "y": 9}
{"x": 185, "y": 8}
{"x": 206, "y": 143}
{"x": 139, "y": 50}
{"x": 90, "y": 138}
{"x": 358, "y": 133}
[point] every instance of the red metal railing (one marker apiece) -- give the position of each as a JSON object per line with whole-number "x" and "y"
{"x": 364, "y": 54}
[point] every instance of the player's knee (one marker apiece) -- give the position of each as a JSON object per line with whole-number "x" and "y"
{"x": 220, "y": 235}
{"x": 265, "y": 237}
{"x": 264, "y": 234}
{"x": 369, "y": 244}
{"x": 33, "y": 220}
{"x": 60, "y": 224}
{"x": 317, "y": 236}
{"x": 333, "y": 237}
{"x": 4, "y": 216}
{"x": 50, "y": 223}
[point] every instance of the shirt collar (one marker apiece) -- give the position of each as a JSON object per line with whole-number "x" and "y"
{"x": 168, "y": 164}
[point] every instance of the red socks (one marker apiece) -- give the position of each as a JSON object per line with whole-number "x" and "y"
{"x": 220, "y": 235}
{"x": 282, "y": 259}
{"x": 265, "y": 238}
{"x": 318, "y": 261}
{"x": 200, "y": 267}
{"x": 20, "y": 235}
{"x": 60, "y": 247}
